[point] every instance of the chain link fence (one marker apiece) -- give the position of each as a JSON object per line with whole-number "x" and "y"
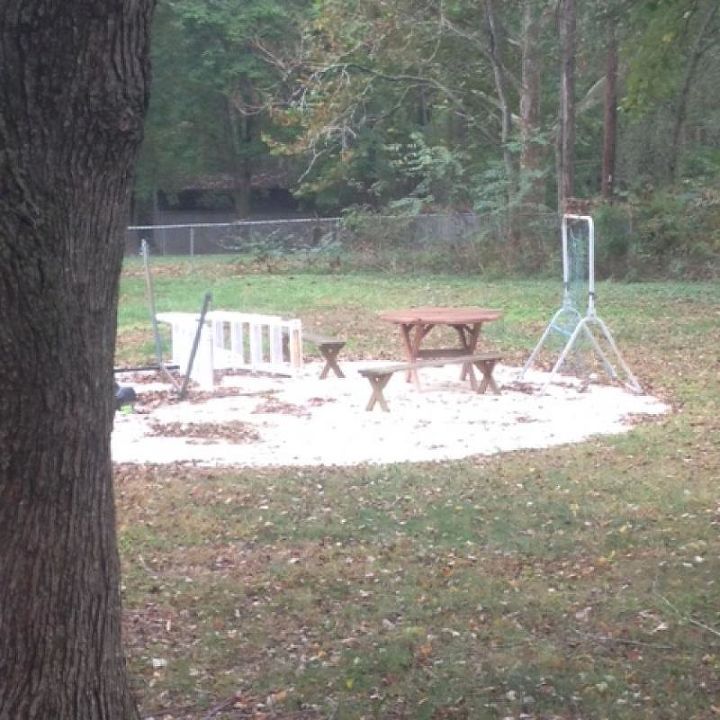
{"x": 241, "y": 237}
{"x": 438, "y": 242}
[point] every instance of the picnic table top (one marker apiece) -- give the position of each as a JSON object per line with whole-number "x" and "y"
{"x": 442, "y": 315}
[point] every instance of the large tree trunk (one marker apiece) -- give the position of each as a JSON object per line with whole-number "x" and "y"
{"x": 566, "y": 139}
{"x": 610, "y": 116}
{"x": 74, "y": 93}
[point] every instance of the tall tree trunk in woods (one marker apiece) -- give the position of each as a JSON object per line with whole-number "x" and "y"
{"x": 496, "y": 42}
{"x": 699, "y": 47}
{"x": 531, "y": 153}
{"x": 607, "y": 185}
{"x": 531, "y": 180}
{"x": 566, "y": 130}
{"x": 74, "y": 92}
{"x": 241, "y": 127}
{"x": 242, "y": 192}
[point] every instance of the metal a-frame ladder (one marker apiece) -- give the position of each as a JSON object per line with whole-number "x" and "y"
{"x": 582, "y": 324}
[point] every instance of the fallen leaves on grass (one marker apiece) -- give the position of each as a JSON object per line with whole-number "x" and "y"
{"x": 235, "y": 431}
{"x": 151, "y": 399}
{"x": 273, "y": 405}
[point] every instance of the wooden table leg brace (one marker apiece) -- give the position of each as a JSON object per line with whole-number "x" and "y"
{"x": 469, "y": 335}
{"x": 413, "y": 334}
{"x": 486, "y": 367}
{"x": 378, "y": 383}
{"x": 330, "y": 352}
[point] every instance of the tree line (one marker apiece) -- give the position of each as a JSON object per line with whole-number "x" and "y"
{"x": 413, "y": 106}
{"x": 378, "y": 102}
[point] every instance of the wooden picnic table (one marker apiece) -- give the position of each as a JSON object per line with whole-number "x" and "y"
{"x": 416, "y": 323}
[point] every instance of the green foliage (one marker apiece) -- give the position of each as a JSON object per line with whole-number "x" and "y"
{"x": 218, "y": 73}
{"x": 664, "y": 234}
{"x": 680, "y": 233}
{"x": 383, "y": 111}
{"x": 655, "y": 60}
{"x": 436, "y": 170}
{"x": 702, "y": 164}
{"x": 491, "y": 187}
{"x": 613, "y": 241}
{"x": 393, "y": 107}
{"x": 657, "y": 54}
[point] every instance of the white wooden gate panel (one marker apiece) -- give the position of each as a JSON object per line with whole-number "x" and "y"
{"x": 234, "y": 340}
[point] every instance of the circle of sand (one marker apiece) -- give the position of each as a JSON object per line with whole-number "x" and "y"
{"x": 265, "y": 421}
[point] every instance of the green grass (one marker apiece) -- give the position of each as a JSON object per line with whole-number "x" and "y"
{"x": 575, "y": 582}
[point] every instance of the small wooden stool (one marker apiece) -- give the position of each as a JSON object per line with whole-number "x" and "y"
{"x": 330, "y": 349}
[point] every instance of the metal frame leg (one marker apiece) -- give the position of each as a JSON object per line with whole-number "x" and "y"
{"x": 552, "y": 325}
{"x": 632, "y": 383}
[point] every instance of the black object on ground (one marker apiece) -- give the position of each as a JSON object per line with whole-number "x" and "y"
{"x": 124, "y": 396}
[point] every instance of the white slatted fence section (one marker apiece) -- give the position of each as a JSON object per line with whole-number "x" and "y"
{"x": 233, "y": 340}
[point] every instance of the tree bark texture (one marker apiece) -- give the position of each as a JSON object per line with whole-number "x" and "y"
{"x": 531, "y": 153}
{"x": 607, "y": 183}
{"x": 73, "y": 94}
{"x": 566, "y": 141}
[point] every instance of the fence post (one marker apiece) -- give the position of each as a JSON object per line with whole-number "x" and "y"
{"x": 192, "y": 242}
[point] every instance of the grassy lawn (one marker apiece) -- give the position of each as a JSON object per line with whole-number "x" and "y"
{"x": 575, "y": 582}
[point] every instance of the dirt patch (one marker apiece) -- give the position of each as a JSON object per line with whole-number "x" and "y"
{"x": 275, "y": 406}
{"x": 305, "y": 421}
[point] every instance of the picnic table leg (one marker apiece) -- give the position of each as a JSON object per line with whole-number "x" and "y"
{"x": 330, "y": 353}
{"x": 409, "y": 343}
{"x": 486, "y": 367}
{"x": 467, "y": 371}
{"x": 468, "y": 341}
{"x": 412, "y": 341}
{"x": 378, "y": 382}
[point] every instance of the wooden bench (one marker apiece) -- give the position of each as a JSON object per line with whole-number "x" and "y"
{"x": 485, "y": 362}
{"x": 329, "y": 349}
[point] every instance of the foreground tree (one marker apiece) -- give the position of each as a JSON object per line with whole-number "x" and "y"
{"x": 74, "y": 91}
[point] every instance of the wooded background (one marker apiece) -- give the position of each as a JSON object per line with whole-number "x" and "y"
{"x": 406, "y": 107}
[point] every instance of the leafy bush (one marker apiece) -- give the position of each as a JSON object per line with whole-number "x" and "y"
{"x": 663, "y": 235}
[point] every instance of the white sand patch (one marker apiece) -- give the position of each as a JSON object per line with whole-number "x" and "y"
{"x": 307, "y": 421}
